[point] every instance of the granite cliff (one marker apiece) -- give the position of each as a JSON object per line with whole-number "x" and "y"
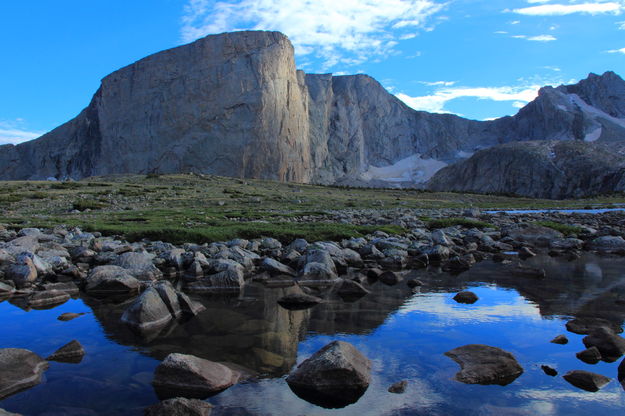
{"x": 234, "y": 104}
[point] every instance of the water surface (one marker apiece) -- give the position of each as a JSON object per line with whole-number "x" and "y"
{"x": 404, "y": 333}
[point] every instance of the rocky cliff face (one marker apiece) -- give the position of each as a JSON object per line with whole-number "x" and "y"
{"x": 539, "y": 169}
{"x": 235, "y": 105}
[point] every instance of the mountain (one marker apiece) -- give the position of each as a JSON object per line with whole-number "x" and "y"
{"x": 553, "y": 169}
{"x": 234, "y": 104}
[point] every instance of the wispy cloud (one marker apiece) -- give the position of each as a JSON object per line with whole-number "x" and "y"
{"x": 348, "y": 32}
{"x": 14, "y": 132}
{"x": 539, "y": 38}
{"x": 622, "y": 50}
{"x": 594, "y": 7}
{"x": 621, "y": 25}
{"x": 438, "y": 83}
{"x": 437, "y": 101}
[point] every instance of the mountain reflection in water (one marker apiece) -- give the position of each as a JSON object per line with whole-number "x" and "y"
{"x": 403, "y": 332}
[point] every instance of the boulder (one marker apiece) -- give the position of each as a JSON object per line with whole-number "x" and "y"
{"x": 589, "y": 355}
{"x": 335, "y": 376}
{"x": 608, "y": 244}
{"x": 23, "y": 274}
{"x": 149, "y": 312}
{"x": 466, "y": 296}
{"x": 19, "y": 370}
{"x": 584, "y": 326}
{"x": 350, "y": 289}
{"x": 586, "y": 380}
{"x": 483, "y": 364}
{"x": 73, "y": 353}
{"x": 181, "y": 375}
{"x": 179, "y": 407}
{"x": 111, "y": 280}
{"x": 533, "y": 234}
{"x": 274, "y": 267}
{"x": 139, "y": 265}
{"x": 389, "y": 278}
{"x": 610, "y": 345}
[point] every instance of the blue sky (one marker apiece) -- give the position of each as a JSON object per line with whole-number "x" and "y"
{"x": 477, "y": 58}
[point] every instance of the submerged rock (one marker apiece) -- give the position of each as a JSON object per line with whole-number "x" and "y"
{"x": 466, "y": 296}
{"x": 73, "y": 352}
{"x": 335, "y": 376}
{"x": 181, "y": 375}
{"x": 179, "y": 407}
{"x": 68, "y": 316}
{"x": 295, "y": 301}
{"x": 482, "y": 364}
{"x": 19, "y": 370}
{"x": 586, "y": 380}
{"x": 399, "y": 387}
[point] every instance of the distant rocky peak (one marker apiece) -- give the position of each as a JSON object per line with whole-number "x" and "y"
{"x": 605, "y": 92}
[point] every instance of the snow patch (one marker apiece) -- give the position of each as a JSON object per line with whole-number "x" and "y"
{"x": 575, "y": 99}
{"x": 464, "y": 155}
{"x": 411, "y": 169}
{"x": 594, "y": 135}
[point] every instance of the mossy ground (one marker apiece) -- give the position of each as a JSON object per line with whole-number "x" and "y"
{"x": 192, "y": 208}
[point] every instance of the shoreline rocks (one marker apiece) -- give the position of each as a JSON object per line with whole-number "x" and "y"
{"x": 19, "y": 370}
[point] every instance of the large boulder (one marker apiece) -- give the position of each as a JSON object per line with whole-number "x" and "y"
{"x": 24, "y": 273}
{"x": 19, "y": 370}
{"x": 181, "y": 375}
{"x": 274, "y": 267}
{"x": 148, "y": 312}
{"x": 139, "y": 265}
{"x": 483, "y": 364}
{"x": 335, "y": 376}
{"x": 608, "y": 244}
{"x": 535, "y": 235}
{"x": 111, "y": 280}
{"x": 179, "y": 407}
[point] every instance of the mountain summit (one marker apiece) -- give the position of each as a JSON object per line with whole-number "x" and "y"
{"x": 234, "y": 104}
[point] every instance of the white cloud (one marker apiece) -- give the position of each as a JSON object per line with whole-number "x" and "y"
{"x": 622, "y": 50}
{"x": 13, "y": 132}
{"x": 435, "y": 103}
{"x": 595, "y": 7}
{"x": 542, "y": 38}
{"x": 329, "y": 29}
{"x": 621, "y": 25}
{"x": 438, "y": 83}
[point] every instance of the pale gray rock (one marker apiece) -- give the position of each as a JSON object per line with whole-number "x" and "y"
{"x": 274, "y": 267}
{"x": 111, "y": 280}
{"x": 19, "y": 370}
{"x": 148, "y": 312}
{"x": 139, "y": 265}
{"x": 335, "y": 376}
{"x": 608, "y": 243}
{"x": 181, "y": 375}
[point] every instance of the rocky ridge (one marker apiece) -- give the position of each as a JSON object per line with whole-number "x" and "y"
{"x": 234, "y": 104}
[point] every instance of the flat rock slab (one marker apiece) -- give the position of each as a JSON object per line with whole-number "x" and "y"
{"x": 335, "y": 376}
{"x": 482, "y": 364}
{"x": 181, "y": 375}
{"x": 19, "y": 370}
{"x": 179, "y": 407}
{"x": 72, "y": 353}
{"x": 586, "y": 380}
{"x": 48, "y": 299}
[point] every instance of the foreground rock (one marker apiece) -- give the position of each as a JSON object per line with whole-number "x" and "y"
{"x": 111, "y": 280}
{"x": 586, "y": 380}
{"x": 19, "y": 370}
{"x": 73, "y": 353}
{"x": 482, "y": 364}
{"x": 181, "y": 375}
{"x": 334, "y": 377}
{"x": 179, "y": 407}
{"x": 47, "y": 299}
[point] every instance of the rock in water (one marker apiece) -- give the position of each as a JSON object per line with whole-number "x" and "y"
{"x": 584, "y": 326}
{"x": 482, "y": 364}
{"x": 148, "y": 312}
{"x": 19, "y": 370}
{"x": 466, "y": 296}
{"x": 179, "y": 407}
{"x": 550, "y": 371}
{"x": 590, "y": 355}
{"x": 181, "y": 375}
{"x": 560, "y": 339}
{"x": 47, "y": 299}
{"x": 586, "y": 380}
{"x": 610, "y": 345}
{"x": 399, "y": 387}
{"x": 296, "y": 301}
{"x": 111, "y": 280}
{"x": 333, "y": 377}
{"x": 72, "y": 352}
{"x": 68, "y": 316}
